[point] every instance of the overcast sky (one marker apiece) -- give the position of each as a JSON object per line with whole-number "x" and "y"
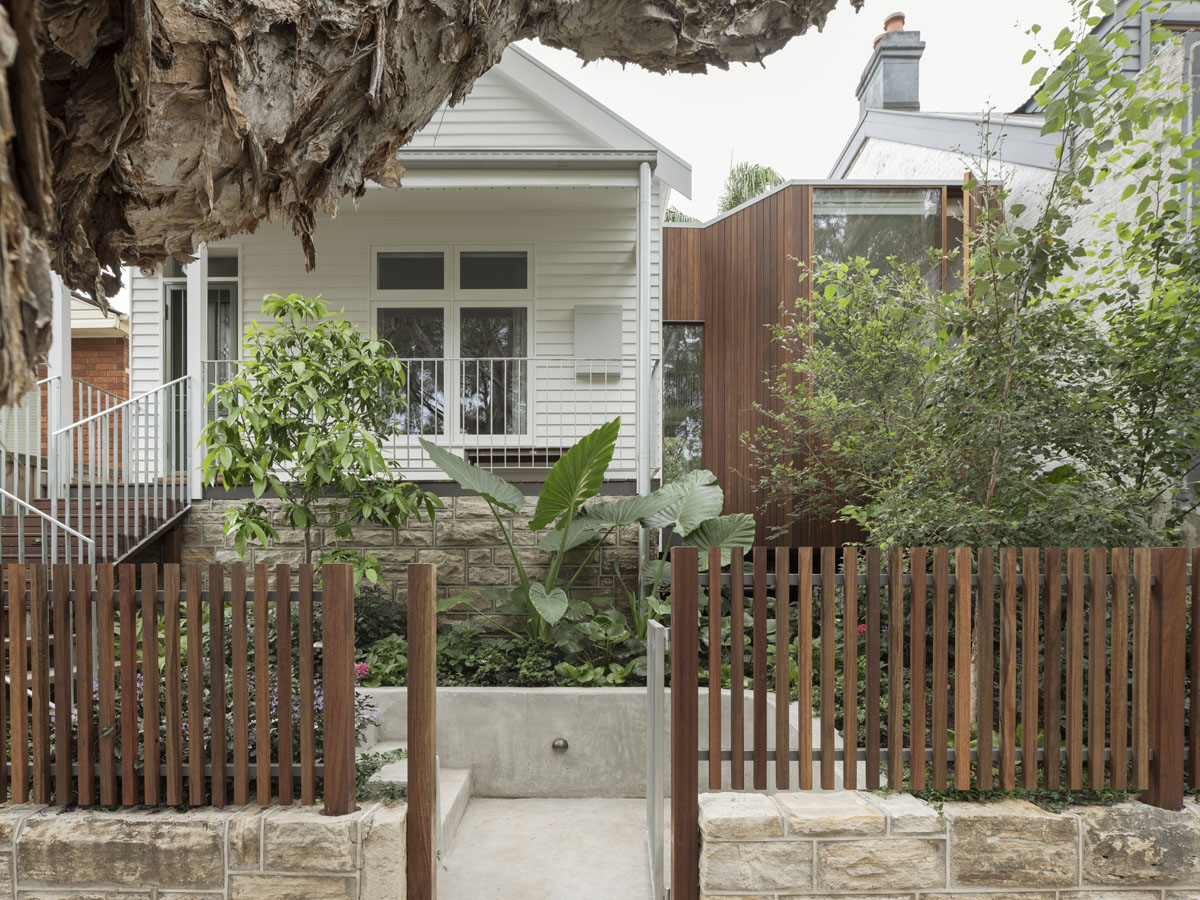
{"x": 797, "y": 111}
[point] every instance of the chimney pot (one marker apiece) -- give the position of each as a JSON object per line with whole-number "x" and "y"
{"x": 894, "y": 22}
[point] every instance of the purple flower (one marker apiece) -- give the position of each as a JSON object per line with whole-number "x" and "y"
{"x": 361, "y": 671}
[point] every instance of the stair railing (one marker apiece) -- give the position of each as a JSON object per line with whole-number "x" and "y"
{"x": 125, "y": 469}
{"x": 25, "y": 460}
{"x": 58, "y": 541}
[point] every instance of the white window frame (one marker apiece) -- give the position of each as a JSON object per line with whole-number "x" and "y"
{"x": 227, "y": 250}
{"x": 406, "y": 294}
{"x": 452, "y": 310}
{"x": 493, "y": 293}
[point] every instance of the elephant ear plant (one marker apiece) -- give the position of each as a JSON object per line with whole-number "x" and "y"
{"x": 690, "y": 506}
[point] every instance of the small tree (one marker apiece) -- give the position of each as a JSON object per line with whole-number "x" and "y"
{"x": 303, "y": 419}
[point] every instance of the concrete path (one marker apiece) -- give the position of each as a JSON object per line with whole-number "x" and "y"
{"x": 548, "y": 850}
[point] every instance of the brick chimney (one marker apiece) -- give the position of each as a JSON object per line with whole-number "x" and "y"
{"x": 891, "y": 79}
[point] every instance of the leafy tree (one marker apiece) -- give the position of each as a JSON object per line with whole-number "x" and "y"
{"x": 677, "y": 215}
{"x": 1055, "y": 397}
{"x": 745, "y": 181}
{"x": 303, "y": 420}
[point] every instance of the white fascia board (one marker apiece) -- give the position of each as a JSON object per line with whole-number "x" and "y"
{"x": 509, "y": 178}
{"x": 593, "y": 116}
{"x": 524, "y": 159}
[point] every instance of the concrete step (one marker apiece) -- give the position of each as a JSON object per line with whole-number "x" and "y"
{"x": 454, "y": 793}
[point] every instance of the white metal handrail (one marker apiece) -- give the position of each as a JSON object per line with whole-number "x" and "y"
{"x": 24, "y": 451}
{"x": 57, "y": 532}
{"x": 126, "y": 469}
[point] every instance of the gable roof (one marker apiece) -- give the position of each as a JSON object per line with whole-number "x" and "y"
{"x": 522, "y": 111}
{"x": 1024, "y": 142}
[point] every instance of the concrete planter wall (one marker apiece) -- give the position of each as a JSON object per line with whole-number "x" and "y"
{"x": 791, "y": 845}
{"x": 237, "y": 853}
{"x": 504, "y": 736}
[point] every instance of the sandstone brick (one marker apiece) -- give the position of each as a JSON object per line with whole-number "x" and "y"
{"x": 842, "y": 812}
{"x": 1012, "y": 844}
{"x": 191, "y": 895}
{"x": 851, "y": 896}
{"x": 245, "y": 838}
{"x": 488, "y": 576}
{"x": 1132, "y": 843}
{"x": 469, "y": 533}
{"x": 471, "y": 508}
{"x": 449, "y": 562}
{"x": 748, "y": 867}
{"x": 11, "y": 817}
{"x": 882, "y": 864}
{"x": 908, "y": 814}
{"x": 991, "y": 895}
{"x": 90, "y": 894}
{"x": 738, "y": 816}
{"x": 414, "y": 537}
{"x": 292, "y": 887}
{"x": 127, "y": 848}
{"x": 373, "y": 537}
{"x": 1111, "y": 895}
{"x": 300, "y": 839}
{"x": 384, "y": 863}
{"x": 481, "y": 556}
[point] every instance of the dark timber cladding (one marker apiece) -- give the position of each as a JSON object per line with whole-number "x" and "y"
{"x": 732, "y": 275}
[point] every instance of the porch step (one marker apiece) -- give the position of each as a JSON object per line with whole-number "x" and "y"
{"x": 109, "y": 523}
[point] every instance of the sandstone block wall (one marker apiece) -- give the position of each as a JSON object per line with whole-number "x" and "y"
{"x": 465, "y": 542}
{"x": 241, "y": 853}
{"x": 805, "y": 846}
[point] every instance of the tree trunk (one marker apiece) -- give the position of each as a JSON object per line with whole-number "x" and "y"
{"x": 134, "y": 130}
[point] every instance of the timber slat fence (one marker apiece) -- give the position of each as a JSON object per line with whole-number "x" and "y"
{"x": 978, "y": 668}
{"x": 133, "y": 686}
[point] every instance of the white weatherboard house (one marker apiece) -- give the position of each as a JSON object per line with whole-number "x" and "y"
{"x": 517, "y": 270}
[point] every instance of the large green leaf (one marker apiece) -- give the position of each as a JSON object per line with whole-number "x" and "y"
{"x": 690, "y": 500}
{"x": 625, "y": 510}
{"x": 725, "y": 532}
{"x": 482, "y": 482}
{"x": 580, "y": 532}
{"x": 577, "y": 476}
{"x": 551, "y": 606}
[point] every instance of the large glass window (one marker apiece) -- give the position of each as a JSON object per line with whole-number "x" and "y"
{"x": 483, "y": 349}
{"x": 418, "y": 336}
{"x": 683, "y": 398}
{"x": 494, "y": 392}
{"x": 878, "y": 223}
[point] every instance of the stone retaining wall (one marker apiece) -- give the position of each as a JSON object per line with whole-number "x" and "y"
{"x": 804, "y": 846}
{"x": 465, "y": 543}
{"x": 242, "y": 853}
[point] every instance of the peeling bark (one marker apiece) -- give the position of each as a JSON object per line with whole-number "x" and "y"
{"x": 134, "y": 130}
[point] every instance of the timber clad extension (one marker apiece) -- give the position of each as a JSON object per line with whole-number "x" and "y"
{"x": 734, "y": 273}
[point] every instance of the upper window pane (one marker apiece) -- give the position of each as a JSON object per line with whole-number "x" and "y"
{"x": 174, "y": 269}
{"x": 222, "y": 266}
{"x": 410, "y": 270}
{"x": 877, "y": 224}
{"x": 497, "y": 270}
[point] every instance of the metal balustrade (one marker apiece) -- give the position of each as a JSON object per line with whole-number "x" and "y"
{"x": 501, "y": 412}
{"x": 121, "y": 475}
